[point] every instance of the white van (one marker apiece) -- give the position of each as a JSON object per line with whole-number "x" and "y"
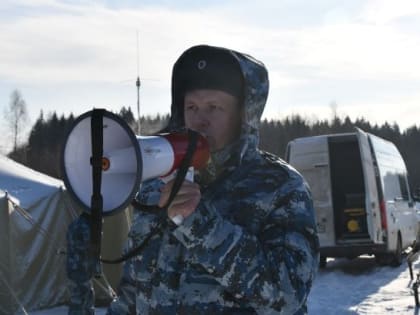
{"x": 361, "y": 195}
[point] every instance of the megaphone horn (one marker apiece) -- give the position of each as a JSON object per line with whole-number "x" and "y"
{"x": 127, "y": 160}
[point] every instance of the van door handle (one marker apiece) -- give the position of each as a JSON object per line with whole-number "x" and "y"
{"x": 393, "y": 217}
{"x": 321, "y": 165}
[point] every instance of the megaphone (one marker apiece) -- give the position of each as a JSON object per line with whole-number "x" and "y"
{"x": 127, "y": 160}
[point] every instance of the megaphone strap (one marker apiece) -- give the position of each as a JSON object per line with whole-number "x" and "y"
{"x": 136, "y": 250}
{"x": 180, "y": 177}
{"x": 96, "y": 200}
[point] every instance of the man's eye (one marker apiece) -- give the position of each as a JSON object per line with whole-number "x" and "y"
{"x": 214, "y": 107}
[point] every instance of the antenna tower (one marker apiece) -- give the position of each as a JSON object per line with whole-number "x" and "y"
{"x": 138, "y": 85}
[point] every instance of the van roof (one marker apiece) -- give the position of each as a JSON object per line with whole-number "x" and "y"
{"x": 313, "y": 138}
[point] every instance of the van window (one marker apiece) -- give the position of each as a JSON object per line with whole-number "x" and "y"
{"x": 403, "y": 186}
{"x": 287, "y": 155}
{"x": 391, "y": 185}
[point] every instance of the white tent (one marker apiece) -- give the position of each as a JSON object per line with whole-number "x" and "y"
{"x": 35, "y": 211}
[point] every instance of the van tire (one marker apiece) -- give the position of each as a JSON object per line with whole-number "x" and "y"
{"x": 397, "y": 255}
{"x": 382, "y": 259}
{"x": 393, "y": 259}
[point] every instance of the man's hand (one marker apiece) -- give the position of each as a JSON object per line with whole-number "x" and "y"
{"x": 186, "y": 200}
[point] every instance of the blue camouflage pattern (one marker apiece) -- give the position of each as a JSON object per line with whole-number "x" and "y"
{"x": 80, "y": 267}
{"x": 250, "y": 247}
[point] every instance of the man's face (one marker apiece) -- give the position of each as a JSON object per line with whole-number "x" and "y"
{"x": 215, "y": 114}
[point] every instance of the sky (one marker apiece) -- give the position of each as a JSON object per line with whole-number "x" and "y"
{"x": 356, "y": 58}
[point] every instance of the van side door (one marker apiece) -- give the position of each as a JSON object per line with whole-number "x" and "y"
{"x": 405, "y": 206}
{"x": 372, "y": 203}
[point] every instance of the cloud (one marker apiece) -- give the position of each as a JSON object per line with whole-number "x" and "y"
{"x": 383, "y": 12}
{"x": 66, "y": 53}
{"x": 94, "y": 42}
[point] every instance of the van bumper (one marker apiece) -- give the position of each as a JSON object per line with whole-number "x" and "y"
{"x": 353, "y": 250}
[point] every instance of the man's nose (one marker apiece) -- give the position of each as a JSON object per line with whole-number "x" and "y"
{"x": 202, "y": 121}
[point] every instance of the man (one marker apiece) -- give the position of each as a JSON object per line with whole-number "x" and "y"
{"x": 247, "y": 243}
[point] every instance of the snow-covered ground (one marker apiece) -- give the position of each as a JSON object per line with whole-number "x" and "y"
{"x": 346, "y": 287}
{"x": 360, "y": 286}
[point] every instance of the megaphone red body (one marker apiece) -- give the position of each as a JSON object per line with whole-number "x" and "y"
{"x": 127, "y": 160}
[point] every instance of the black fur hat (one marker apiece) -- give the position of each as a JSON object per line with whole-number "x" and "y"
{"x": 210, "y": 68}
{"x": 205, "y": 67}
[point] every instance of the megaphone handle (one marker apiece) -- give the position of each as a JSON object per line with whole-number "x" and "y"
{"x": 178, "y": 219}
{"x": 190, "y": 174}
{"x": 185, "y": 165}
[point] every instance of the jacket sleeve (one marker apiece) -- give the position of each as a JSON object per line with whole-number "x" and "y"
{"x": 272, "y": 271}
{"x": 142, "y": 231}
{"x": 124, "y": 303}
{"x": 79, "y": 268}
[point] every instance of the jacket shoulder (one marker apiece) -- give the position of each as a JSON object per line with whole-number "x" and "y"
{"x": 274, "y": 167}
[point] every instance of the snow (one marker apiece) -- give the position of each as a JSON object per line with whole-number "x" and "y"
{"x": 345, "y": 287}
{"x": 360, "y": 286}
{"x": 25, "y": 184}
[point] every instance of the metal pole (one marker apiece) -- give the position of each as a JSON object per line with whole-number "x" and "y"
{"x": 138, "y": 103}
{"x": 138, "y": 85}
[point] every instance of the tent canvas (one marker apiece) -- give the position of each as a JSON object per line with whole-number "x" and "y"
{"x": 32, "y": 271}
{"x": 35, "y": 211}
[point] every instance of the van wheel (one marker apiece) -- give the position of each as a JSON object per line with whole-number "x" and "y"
{"x": 322, "y": 262}
{"x": 397, "y": 255}
{"x": 382, "y": 259}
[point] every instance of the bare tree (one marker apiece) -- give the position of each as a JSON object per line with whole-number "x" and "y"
{"x": 333, "y": 107}
{"x": 16, "y": 115}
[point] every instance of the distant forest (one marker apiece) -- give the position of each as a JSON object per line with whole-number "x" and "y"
{"x": 42, "y": 151}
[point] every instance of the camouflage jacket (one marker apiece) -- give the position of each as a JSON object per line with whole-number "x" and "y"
{"x": 251, "y": 245}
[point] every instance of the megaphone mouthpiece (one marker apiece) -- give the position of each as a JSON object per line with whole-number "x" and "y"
{"x": 179, "y": 142}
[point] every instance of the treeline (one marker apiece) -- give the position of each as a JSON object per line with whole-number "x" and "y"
{"x": 43, "y": 149}
{"x": 275, "y": 134}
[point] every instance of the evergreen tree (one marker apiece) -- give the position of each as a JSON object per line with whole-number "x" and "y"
{"x": 47, "y": 137}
